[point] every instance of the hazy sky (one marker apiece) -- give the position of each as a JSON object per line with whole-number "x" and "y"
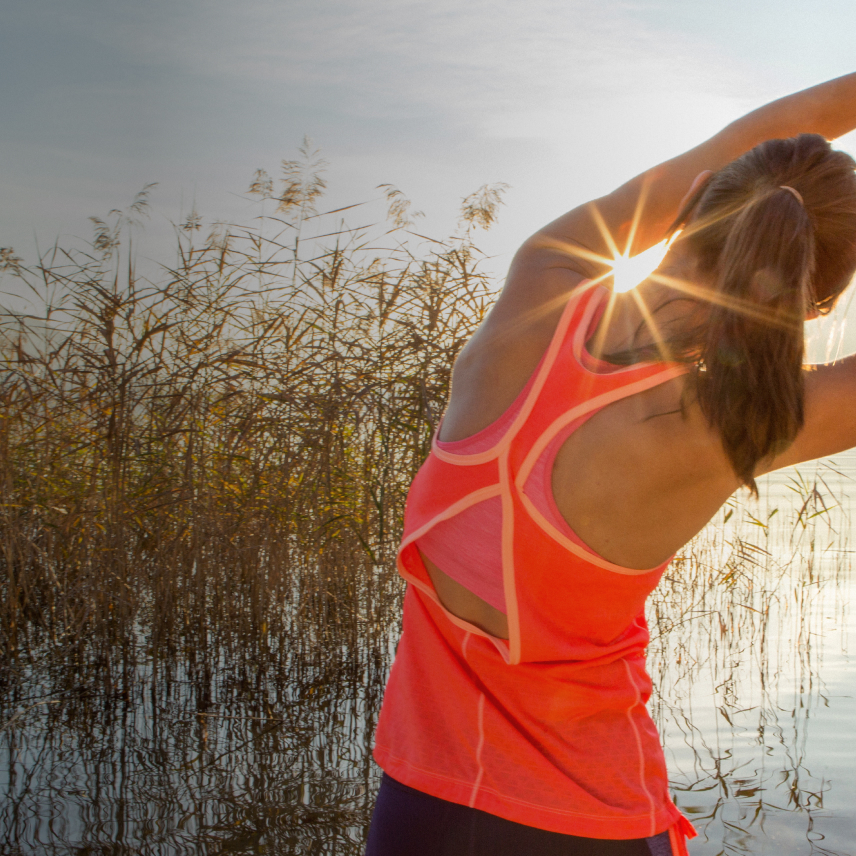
{"x": 561, "y": 100}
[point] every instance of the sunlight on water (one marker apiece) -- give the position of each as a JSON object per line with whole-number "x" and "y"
{"x": 753, "y": 691}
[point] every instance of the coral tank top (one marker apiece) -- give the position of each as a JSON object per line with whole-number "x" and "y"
{"x": 468, "y": 546}
{"x": 548, "y": 728}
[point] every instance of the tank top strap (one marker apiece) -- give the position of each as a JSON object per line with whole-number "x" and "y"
{"x": 574, "y": 308}
{"x": 570, "y": 390}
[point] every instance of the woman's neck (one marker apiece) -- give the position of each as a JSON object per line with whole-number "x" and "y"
{"x": 668, "y": 305}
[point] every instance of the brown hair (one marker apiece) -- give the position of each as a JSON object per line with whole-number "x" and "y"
{"x": 774, "y": 256}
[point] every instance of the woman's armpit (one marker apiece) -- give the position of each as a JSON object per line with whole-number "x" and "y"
{"x": 830, "y": 416}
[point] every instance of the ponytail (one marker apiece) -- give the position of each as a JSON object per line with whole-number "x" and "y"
{"x": 750, "y": 379}
{"x": 774, "y": 234}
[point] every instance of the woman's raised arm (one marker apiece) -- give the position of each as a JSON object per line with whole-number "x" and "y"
{"x": 830, "y": 416}
{"x": 640, "y": 212}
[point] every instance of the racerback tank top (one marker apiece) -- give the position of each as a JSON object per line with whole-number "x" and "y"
{"x": 467, "y": 546}
{"x": 548, "y": 728}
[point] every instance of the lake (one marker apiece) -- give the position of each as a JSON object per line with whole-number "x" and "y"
{"x": 215, "y": 751}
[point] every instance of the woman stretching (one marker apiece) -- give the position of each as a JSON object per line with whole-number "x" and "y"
{"x": 589, "y": 436}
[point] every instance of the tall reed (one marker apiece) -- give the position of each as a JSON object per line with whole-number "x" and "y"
{"x": 224, "y": 448}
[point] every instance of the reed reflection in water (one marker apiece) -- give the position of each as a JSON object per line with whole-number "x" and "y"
{"x": 201, "y": 760}
{"x": 750, "y": 661}
{"x": 218, "y": 754}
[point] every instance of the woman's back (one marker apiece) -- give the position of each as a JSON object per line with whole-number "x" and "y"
{"x": 635, "y": 481}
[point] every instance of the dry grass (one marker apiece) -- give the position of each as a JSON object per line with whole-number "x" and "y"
{"x": 224, "y": 450}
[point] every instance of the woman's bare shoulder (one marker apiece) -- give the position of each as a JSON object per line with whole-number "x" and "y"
{"x": 496, "y": 363}
{"x": 540, "y": 280}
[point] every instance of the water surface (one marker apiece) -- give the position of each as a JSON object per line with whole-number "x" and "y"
{"x": 221, "y": 753}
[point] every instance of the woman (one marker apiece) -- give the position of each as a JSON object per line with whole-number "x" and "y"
{"x": 589, "y": 436}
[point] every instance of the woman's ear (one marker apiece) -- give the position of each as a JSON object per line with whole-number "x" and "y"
{"x": 698, "y": 181}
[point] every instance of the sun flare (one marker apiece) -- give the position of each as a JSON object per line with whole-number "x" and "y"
{"x": 629, "y": 271}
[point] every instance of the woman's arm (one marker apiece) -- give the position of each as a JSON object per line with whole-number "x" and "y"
{"x": 830, "y": 416}
{"x": 566, "y": 250}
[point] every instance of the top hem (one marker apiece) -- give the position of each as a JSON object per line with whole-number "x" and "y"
{"x": 616, "y": 828}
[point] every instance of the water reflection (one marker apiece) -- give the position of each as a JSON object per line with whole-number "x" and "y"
{"x": 223, "y": 751}
{"x": 752, "y": 690}
{"x": 194, "y": 764}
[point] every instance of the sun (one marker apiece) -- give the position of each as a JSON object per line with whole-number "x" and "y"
{"x": 629, "y": 271}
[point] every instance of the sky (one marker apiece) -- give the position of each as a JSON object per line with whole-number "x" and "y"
{"x": 562, "y": 101}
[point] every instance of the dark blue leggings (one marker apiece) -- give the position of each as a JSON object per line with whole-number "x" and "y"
{"x": 407, "y": 822}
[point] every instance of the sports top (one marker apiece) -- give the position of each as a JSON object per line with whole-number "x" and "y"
{"x": 468, "y": 546}
{"x": 548, "y": 728}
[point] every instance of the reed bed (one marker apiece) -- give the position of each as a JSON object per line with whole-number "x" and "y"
{"x": 225, "y": 449}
